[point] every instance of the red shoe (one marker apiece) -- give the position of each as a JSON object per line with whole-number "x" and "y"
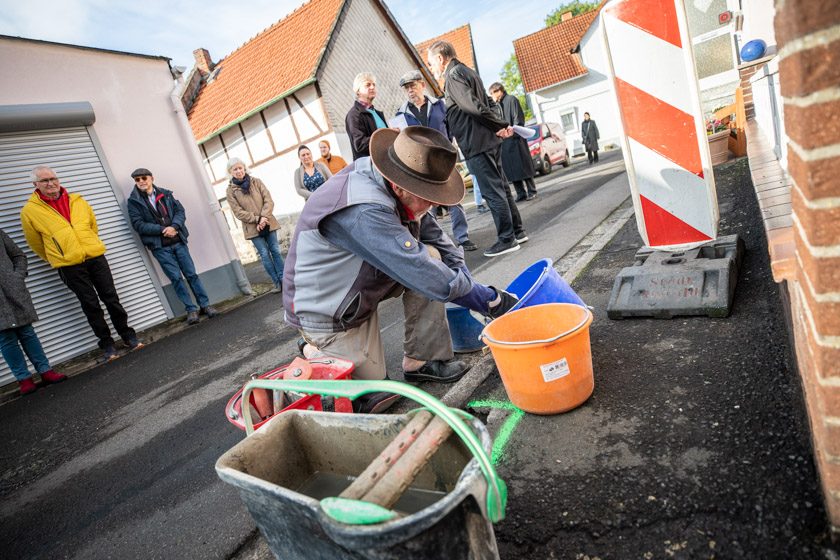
{"x": 52, "y": 377}
{"x": 27, "y": 386}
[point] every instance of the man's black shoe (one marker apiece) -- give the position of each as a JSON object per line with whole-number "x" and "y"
{"x": 438, "y": 370}
{"x": 502, "y": 247}
{"x": 520, "y": 198}
{"x": 469, "y": 245}
{"x": 522, "y": 237}
{"x": 300, "y": 344}
{"x": 531, "y": 196}
{"x": 374, "y": 403}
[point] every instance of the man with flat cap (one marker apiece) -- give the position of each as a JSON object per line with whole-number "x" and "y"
{"x": 366, "y": 235}
{"x": 160, "y": 220}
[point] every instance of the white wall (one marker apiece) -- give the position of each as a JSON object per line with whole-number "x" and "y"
{"x": 589, "y": 93}
{"x": 365, "y": 43}
{"x": 769, "y": 109}
{"x": 758, "y": 22}
{"x": 135, "y": 123}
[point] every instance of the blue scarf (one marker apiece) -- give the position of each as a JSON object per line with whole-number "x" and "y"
{"x": 244, "y": 183}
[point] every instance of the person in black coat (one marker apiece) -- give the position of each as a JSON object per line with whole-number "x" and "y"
{"x": 17, "y": 313}
{"x": 516, "y": 157}
{"x": 362, "y": 118}
{"x": 161, "y": 222}
{"x": 589, "y": 135}
{"x": 473, "y": 119}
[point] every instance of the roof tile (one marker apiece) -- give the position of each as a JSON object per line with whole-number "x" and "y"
{"x": 545, "y": 57}
{"x": 460, "y": 38}
{"x": 273, "y": 62}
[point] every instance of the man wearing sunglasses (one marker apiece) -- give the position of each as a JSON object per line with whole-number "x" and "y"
{"x": 61, "y": 228}
{"x": 161, "y": 222}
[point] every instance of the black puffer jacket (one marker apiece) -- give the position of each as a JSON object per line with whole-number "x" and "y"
{"x": 472, "y": 117}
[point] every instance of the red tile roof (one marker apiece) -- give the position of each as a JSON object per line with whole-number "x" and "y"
{"x": 461, "y": 39}
{"x": 278, "y": 59}
{"x": 545, "y": 57}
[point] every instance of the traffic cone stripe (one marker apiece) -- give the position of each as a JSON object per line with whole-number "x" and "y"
{"x": 654, "y": 17}
{"x": 672, "y": 188}
{"x": 668, "y": 163}
{"x": 664, "y": 129}
{"x": 666, "y": 229}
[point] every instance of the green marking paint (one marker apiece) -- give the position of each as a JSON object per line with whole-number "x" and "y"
{"x": 507, "y": 429}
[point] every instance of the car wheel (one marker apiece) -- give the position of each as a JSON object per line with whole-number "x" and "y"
{"x": 546, "y": 167}
{"x": 566, "y": 159}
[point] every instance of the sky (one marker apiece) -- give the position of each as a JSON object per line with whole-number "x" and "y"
{"x": 177, "y": 27}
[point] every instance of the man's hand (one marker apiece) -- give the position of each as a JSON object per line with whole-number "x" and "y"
{"x": 169, "y": 231}
{"x": 505, "y": 132}
{"x": 502, "y": 304}
{"x": 263, "y": 222}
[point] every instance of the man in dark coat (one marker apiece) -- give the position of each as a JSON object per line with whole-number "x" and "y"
{"x": 161, "y": 222}
{"x": 590, "y": 136}
{"x": 16, "y": 317}
{"x": 362, "y": 118}
{"x": 473, "y": 120}
{"x": 516, "y": 157}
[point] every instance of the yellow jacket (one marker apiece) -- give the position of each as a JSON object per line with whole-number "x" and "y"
{"x": 54, "y": 239}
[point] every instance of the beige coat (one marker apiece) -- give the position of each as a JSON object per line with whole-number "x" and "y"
{"x": 249, "y": 208}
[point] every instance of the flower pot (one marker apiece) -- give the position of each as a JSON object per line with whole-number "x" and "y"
{"x": 719, "y": 146}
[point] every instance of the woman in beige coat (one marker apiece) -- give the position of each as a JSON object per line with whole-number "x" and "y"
{"x": 251, "y": 203}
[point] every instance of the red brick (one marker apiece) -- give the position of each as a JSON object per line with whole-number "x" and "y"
{"x": 822, "y": 361}
{"x": 816, "y": 179}
{"x": 822, "y": 226}
{"x": 813, "y": 126}
{"x": 795, "y": 18}
{"x": 824, "y": 273}
{"x": 811, "y": 70}
{"x": 826, "y": 315}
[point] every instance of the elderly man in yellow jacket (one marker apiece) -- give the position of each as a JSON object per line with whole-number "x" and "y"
{"x": 61, "y": 228}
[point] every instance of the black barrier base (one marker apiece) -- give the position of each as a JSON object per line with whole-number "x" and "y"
{"x": 664, "y": 284}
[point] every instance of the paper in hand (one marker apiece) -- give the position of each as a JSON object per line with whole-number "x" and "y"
{"x": 525, "y": 132}
{"x": 398, "y": 122}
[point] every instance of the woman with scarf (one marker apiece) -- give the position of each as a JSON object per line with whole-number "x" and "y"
{"x": 310, "y": 175}
{"x": 251, "y": 203}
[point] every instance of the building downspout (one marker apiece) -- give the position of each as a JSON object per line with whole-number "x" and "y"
{"x": 195, "y": 161}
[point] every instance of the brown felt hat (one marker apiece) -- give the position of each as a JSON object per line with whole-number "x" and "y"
{"x": 420, "y": 160}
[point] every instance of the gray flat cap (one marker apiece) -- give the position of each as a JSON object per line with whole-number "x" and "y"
{"x": 413, "y": 76}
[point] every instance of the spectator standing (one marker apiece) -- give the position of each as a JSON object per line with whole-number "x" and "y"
{"x": 61, "y": 228}
{"x": 160, "y": 220}
{"x": 472, "y": 119}
{"x": 420, "y": 109}
{"x": 311, "y": 174}
{"x": 17, "y": 337}
{"x": 516, "y": 157}
{"x": 363, "y": 119}
{"x": 590, "y": 136}
{"x": 251, "y": 203}
{"x": 333, "y": 163}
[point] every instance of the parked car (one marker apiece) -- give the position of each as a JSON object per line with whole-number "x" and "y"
{"x": 548, "y": 147}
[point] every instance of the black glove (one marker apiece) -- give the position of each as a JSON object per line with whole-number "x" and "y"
{"x": 507, "y": 302}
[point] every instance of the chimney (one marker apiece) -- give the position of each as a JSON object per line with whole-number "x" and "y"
{"x": 566, "y": 16}
{"x": 203, "y": 61}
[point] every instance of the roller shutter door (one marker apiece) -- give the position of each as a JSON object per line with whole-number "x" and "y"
{"x": 62, "y": 327}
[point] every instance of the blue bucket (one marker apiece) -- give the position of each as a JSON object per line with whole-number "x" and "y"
{"x": 464, "y": 329}
{"x": 540, "y": 283}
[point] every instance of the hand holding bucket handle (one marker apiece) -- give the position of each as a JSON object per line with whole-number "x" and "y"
{"x": 496, "y": 499}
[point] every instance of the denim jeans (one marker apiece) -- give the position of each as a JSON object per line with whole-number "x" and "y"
{"x": 487, "y": 167}
{"x": 176, "y": 261}
{"x": 11, "y": 341}
{"x": 460, "y": 230}
{"x": 272, "y": 260}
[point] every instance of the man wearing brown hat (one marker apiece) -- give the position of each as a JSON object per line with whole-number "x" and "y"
{"x": 366, "y": 235}
{"x": 160, "y": 220}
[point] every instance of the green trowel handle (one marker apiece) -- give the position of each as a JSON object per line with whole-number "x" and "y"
{"x": 496, "y": 489}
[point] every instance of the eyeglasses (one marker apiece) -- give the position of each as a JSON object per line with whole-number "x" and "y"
{"x": 140, "y": 178}
{"x": 47, "y": 180}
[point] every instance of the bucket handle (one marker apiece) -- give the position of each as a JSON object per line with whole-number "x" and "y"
{"x": 496, "y": 499}
{"x": 586, "y": 318}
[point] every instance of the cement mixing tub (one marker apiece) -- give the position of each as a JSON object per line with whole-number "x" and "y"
{"x": 298, "y": 458}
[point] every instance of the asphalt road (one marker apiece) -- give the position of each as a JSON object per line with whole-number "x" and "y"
{"x": 118, "y": 462}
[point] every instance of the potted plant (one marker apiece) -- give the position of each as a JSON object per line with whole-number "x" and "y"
{"x": 717, "y": 131}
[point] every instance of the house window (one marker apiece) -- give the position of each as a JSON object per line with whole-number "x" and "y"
{"x": 567, "y": 120}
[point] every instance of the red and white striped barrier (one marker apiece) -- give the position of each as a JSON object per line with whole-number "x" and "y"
{"x": 665, "y": 146}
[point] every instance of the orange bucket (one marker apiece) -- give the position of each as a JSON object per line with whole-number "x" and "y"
{"x": 543, "y": 356}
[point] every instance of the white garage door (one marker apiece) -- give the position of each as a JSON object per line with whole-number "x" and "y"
{"x": 62, "y": 327}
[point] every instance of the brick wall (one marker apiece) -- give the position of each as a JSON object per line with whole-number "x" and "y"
{"x": 808, "y": 33}
{"x": 745, "y": 72}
